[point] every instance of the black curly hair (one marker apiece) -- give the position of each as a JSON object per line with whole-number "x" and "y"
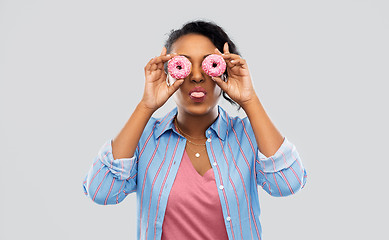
{"x": 208, "y": 29}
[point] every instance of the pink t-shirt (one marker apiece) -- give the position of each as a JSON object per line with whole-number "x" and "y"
{"x": 193, "y": 209}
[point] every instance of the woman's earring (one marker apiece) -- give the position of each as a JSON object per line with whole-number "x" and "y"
{"x": 167, "y": 80}
{"x": 224, "y": 77}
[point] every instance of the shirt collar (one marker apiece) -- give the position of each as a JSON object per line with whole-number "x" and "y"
{"x": 219, "y": 126}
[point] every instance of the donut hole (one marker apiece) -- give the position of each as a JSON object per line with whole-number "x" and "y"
{"x": 179, "y": 67}
{"x": 214, "y": 65}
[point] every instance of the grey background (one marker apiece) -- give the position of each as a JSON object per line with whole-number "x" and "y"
{"x": 72, "y": 73}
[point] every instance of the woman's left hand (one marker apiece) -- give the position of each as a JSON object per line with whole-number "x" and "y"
{"x": 238, "y": 85}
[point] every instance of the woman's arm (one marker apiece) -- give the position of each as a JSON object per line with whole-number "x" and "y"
{"x": 282, "y": 173}
{"x": 110, "y": 180}
{"x": 156, "y": 93}
{"x": 267, "y": 136}
{"x": 279, "y": 169}
{"x": 113, "y": 174}
{"x": 278, "y": 166}
{"x": 240, "y": 88}
{"x": 124, "y": 144}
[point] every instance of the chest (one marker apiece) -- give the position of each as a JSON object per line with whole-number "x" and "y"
{"x": 158, "y": 165}
{"x": 199, "y": 159}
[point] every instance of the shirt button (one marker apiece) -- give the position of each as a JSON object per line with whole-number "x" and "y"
{"x": 209, "y": 140}
{"x": 209, "y": 132}
{"x": 214, "y": 163}
{"x": 228, "y": 218}
{"x": 221, "y": 186}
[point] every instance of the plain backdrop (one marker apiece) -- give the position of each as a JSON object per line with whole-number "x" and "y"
{"x": 71, "y": 73}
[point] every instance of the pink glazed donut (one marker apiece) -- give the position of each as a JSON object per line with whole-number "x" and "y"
{"x": 179, "y": 67}
{"x": 214, "y": 65}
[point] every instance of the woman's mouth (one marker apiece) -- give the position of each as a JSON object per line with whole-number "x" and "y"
{"x": 197, "y": 94}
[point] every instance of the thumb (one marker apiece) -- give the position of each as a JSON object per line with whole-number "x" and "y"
{"x": 174, "y": 87}
{"x": 219, "y": 81}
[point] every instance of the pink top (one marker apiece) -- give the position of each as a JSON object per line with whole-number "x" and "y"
{"x": 193, "y": 209}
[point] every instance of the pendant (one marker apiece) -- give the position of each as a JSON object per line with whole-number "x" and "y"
{"x": 197, "y": 154}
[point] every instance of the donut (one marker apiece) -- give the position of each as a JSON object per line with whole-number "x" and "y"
{"x": 214, "y": 65}
{"x": 179, "y": 67}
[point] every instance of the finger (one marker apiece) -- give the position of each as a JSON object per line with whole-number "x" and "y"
{"x": 163, "y": 51}
{"x": 239, "y": 62}
{"x": 154, "y": 64}
{"x": 149, "y": 64}
{"x": 223, "y": 85}
{"x": 225, "y": 48}
{"x": 160, "y": 65}
{"x": 234, "y": 56}
{"x": 164, "y": 58}
{"x": 225, "y": 57}
{"x": 158, "y": 62}
{"x": 161, "y": 60}
{"x": 174, "y": 87}
{"x": 231, "y": 58}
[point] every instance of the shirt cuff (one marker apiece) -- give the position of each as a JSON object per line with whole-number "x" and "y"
{"x": 285, "y": 156}
{"x": 121, "y": 168}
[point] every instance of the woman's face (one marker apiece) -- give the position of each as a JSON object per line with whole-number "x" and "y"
{"x": 195, "y": 47}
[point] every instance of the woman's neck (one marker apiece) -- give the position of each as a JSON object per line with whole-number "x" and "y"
{"x": 196, "y": 125}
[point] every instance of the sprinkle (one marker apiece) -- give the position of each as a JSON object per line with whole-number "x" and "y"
{"x": 214, "y": 65}
{"x": 179, "y": 67}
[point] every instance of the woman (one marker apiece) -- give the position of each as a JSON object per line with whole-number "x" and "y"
{"x": 196, "y": 170}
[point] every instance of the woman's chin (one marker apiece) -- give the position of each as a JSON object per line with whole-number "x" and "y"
{"x": 197, "y": 109}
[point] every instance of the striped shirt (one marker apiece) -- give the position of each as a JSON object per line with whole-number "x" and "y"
{"x": 238, "y": 166}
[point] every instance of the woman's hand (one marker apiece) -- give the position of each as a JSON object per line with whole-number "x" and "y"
{"x": 156, "y": 91}
{"x": 238, "y": 86}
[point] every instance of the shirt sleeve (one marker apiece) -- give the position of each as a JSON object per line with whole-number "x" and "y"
{"x": 283, "y": 173}
{"x": 110, "y": 180}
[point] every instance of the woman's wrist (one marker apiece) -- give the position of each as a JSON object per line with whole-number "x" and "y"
{"x": 249, "y": 103}
{"x": 142, "y": 106}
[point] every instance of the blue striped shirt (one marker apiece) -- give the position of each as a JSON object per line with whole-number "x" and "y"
{"x": 237, "y": 164}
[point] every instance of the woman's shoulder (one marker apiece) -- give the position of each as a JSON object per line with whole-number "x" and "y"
{"x": 233, "y": 118}
{"x": 234, "y": 121}
{"x": 241, "y": 124}
{"x": 156, "y": 125}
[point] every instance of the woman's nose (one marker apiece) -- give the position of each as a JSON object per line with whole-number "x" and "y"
{"x": 197, "y": 75}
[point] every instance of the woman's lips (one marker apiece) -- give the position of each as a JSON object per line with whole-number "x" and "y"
{"x": 197, "y": 94}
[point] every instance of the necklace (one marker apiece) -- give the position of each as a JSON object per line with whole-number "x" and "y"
{"x": 202, "y": 144}
{"x": 175, "y": 120}
{"x": 197, "y": 153}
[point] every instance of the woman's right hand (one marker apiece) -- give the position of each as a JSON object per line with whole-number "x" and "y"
{"x": 156, "y": 91}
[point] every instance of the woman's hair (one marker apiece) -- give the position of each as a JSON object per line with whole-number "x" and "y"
{"x": 208, "y": 29}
